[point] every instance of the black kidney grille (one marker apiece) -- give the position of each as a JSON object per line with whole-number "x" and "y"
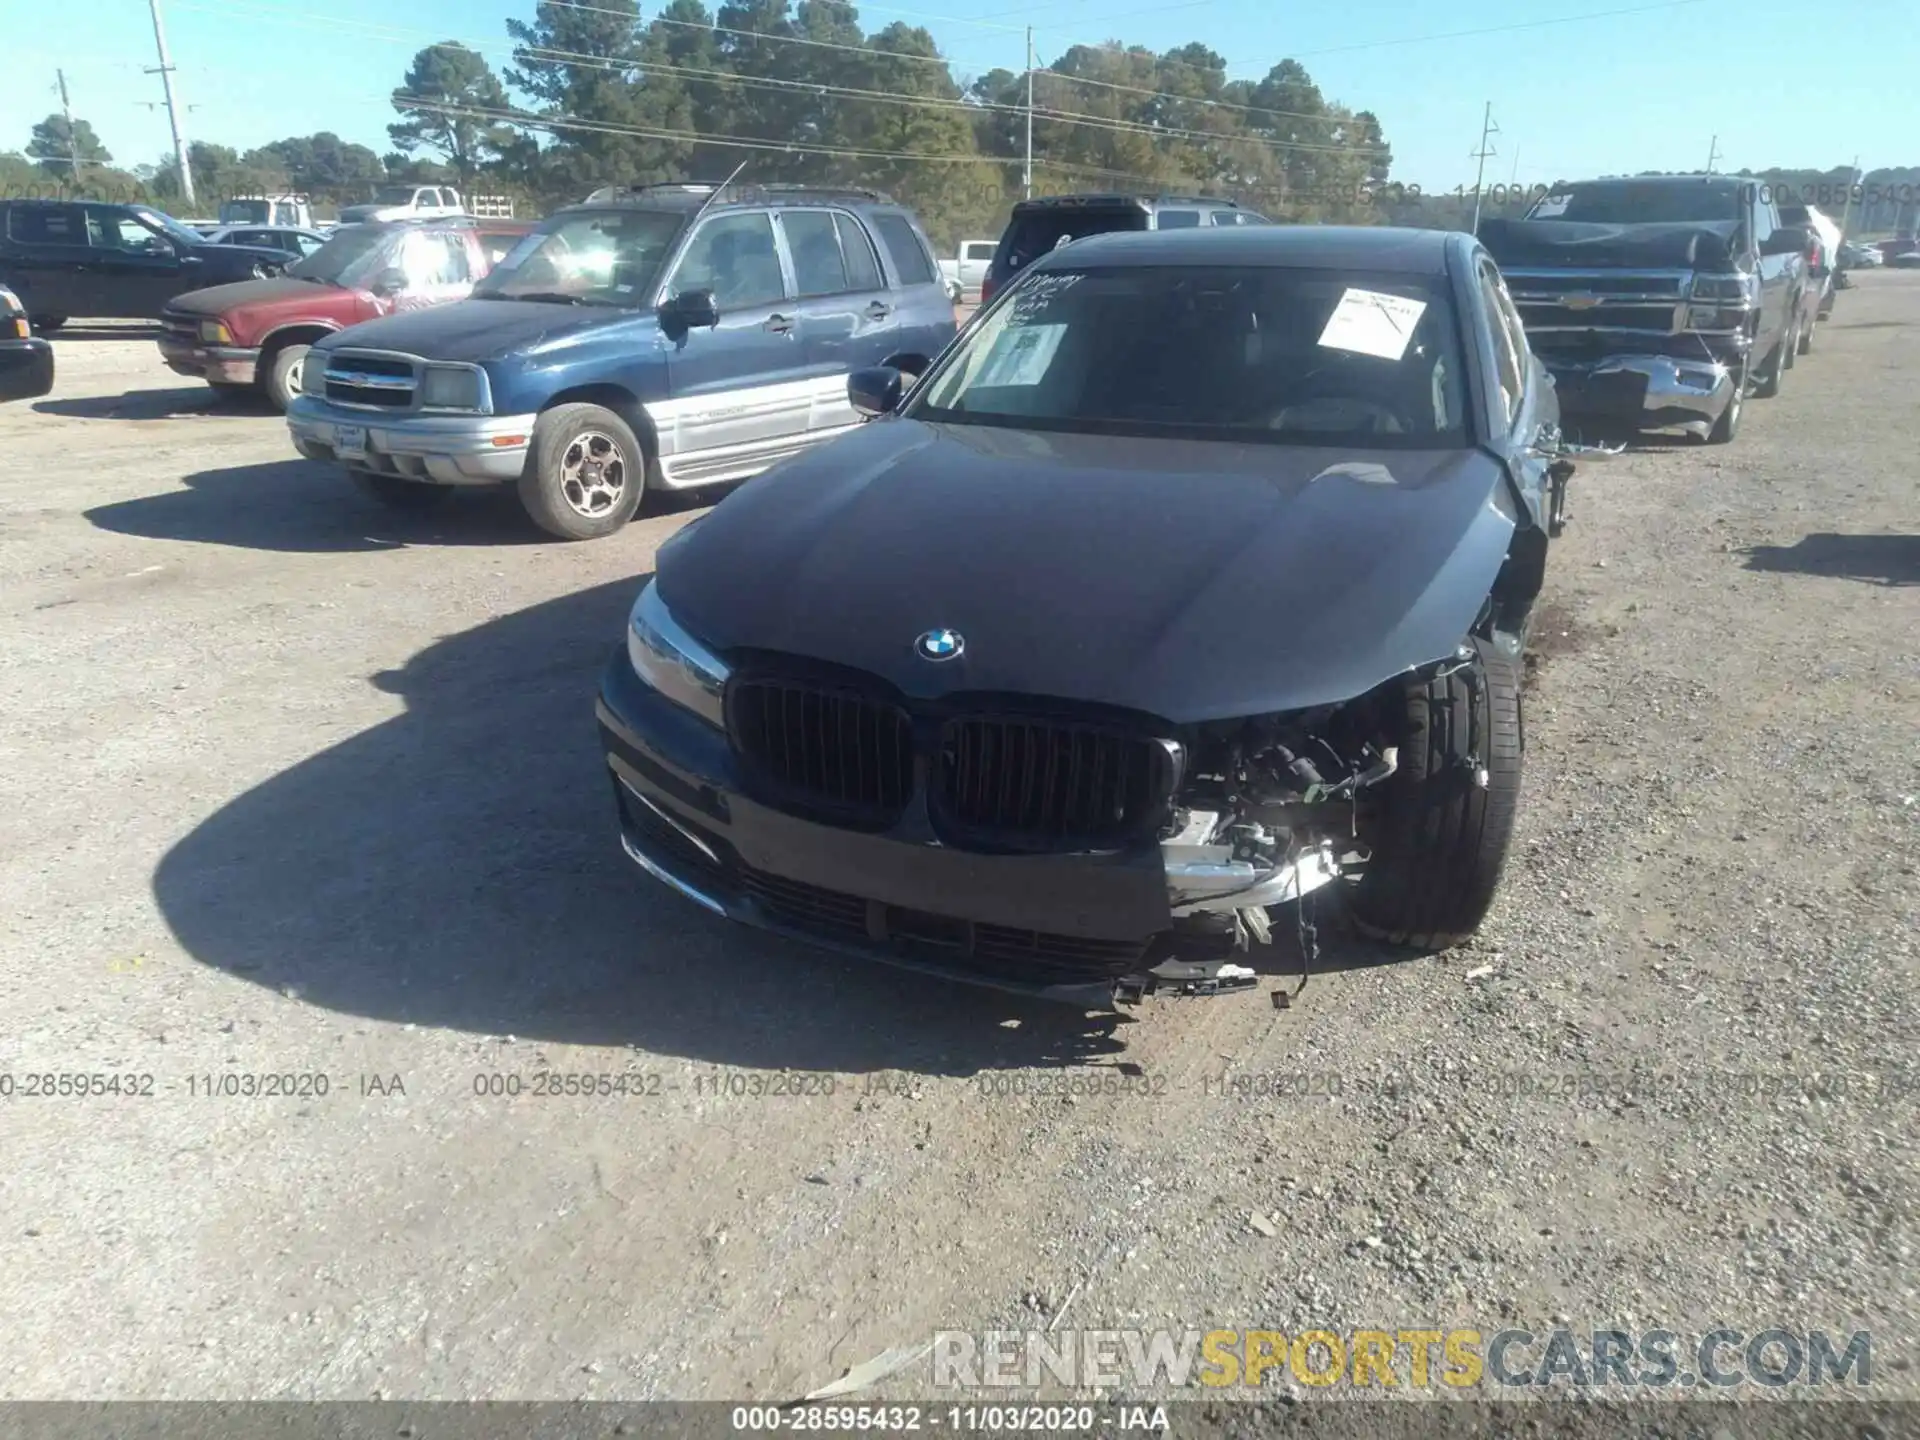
{"x": 1040, "y": 783}
{"x": 838, "y": 749}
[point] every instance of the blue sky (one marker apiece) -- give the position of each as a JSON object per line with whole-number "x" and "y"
{"x": 1779, "y": 83}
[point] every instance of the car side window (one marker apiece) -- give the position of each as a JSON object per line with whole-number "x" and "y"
{"x": 1179, "y": 219}
{"x": 109, "y": 229}
{"x": 904, "y": 248}
{"x": 498, "y": 247}
{"x": 434, "y": 260}
{"x": 308, "y": 243}
{"x": 734, "y": 257}
{"x": 863, "y": 266}
{"x": 818, "y": 266}
{"x": 1506, "y": 355}
{"x": 46, "y": 225}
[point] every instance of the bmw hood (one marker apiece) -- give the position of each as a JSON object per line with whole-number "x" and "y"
{"x": 474, "y": 331}
{"x": 1189, "y": 581}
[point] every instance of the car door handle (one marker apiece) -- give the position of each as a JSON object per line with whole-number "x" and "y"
{"x": 879, "y": 310}
{"x": 778, "y": 324}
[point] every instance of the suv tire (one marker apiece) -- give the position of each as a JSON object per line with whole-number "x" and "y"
{"x": 282, "y": 378}
{"x": 1767, "y": 384}
{"x": 1441, "y": 836}
{"x": 1728, "y": 425}
{"x": 586, "y": 472}
{"x": 398, "y": 494}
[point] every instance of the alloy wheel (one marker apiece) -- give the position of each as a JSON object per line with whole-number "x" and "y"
{"x": 593, "y": 474}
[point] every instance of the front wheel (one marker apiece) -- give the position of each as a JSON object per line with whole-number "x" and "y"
{"x": 1728, "y": 424}
{"x": 282, "y": 380}
{"x": 585, "y": 472}
{"x": 1441, "y": 835}
{"x": 1767, "y": 384}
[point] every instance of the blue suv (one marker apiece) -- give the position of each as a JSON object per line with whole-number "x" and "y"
{"x": 661, "y": 337}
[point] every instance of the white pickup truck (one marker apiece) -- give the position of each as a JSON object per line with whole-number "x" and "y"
{"x": 424, "y": 202}
{"x": 969, "y": 269}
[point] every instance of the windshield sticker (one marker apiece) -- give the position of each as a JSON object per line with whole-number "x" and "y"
{"x": 1367, "y": 322}
{"x": 1551, "y": 206}
{"x": 1021, "y": 357}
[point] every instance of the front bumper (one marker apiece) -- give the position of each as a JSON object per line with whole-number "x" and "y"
{"x": 436, "y": 449}
{"x": 1076, "y": 929}
{"x": 1644, "y": 392}
{"x": 222, "y": 364}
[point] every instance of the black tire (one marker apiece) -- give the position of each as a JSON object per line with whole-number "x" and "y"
{"x": 586, "y": 472}
{"x": 398, "y": 494}
{"x": 1766, "y": 384}
{"x": 1728, "y": 425}
{"x": 46, "y": 324}
{"x": 280, "y": 374}
{"x": 1441, "y": 837}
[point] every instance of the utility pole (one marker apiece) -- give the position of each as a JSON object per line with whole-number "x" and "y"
{"x": 165, "y": 71}
{"x": 1026, "y": 175}
{"x": 1854, "y": 177}
{"x": 73, "y": 148}
{"x": 1487, "y": 130}
{"x": 1713, "y": 154}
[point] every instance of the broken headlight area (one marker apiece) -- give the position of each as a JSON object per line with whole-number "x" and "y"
{"x": 1270, "y": 809}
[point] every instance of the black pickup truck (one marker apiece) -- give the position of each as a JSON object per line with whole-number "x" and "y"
{"x": 64, "y": 257}
{"x": 1658, "y": 302}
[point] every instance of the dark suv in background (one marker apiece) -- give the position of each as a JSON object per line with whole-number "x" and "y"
{"x": 1039, "y": 225}
{"x": 112, "y": 262}
{"x": 662, "y": 337}
{"x": 1659, "y": 301}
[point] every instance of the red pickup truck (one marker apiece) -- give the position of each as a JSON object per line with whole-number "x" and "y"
{"x": 254, "y": 335}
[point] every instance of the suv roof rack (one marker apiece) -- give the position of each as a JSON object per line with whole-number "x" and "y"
{"x": 737, "y": 192}
{"x": 1158, "y": 197}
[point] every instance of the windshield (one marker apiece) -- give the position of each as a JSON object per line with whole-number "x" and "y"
{"x": 1290, "y": 357}
{"x": 1037, "y": 232}
{"x": 1626, "y": 202}
{"x": 394, "y": 195}
{"x": 171, "y": 227}
{"x": 244, "y": 212}
{"x": 610, "y": 257}
{"x": 351, "y": 257}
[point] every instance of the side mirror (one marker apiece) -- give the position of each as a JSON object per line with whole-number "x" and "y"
{"x": 689, "y": 310}
{"x": 876, "y": 390}
{"x": 389, "y": 282}
{"x": 1787, "y": 240}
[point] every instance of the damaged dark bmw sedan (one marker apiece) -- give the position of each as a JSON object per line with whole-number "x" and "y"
{"x": 1191, "y": 579}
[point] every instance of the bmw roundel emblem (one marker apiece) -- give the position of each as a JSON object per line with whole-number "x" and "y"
{"x": 940, "y": 645}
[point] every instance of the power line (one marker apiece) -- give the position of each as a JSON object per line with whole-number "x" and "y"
{"x": 742, "y": 142}
{"x": 397, "y": 35}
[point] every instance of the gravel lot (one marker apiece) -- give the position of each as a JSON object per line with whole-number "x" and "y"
{"x": 293, "y": 786}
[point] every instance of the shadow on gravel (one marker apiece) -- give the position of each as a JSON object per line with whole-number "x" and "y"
{"x": 1880, "y": 559}
{"x": 303, "y": 507}
{"x": 157, "y": 405}
{"x": 458, "y": 866}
